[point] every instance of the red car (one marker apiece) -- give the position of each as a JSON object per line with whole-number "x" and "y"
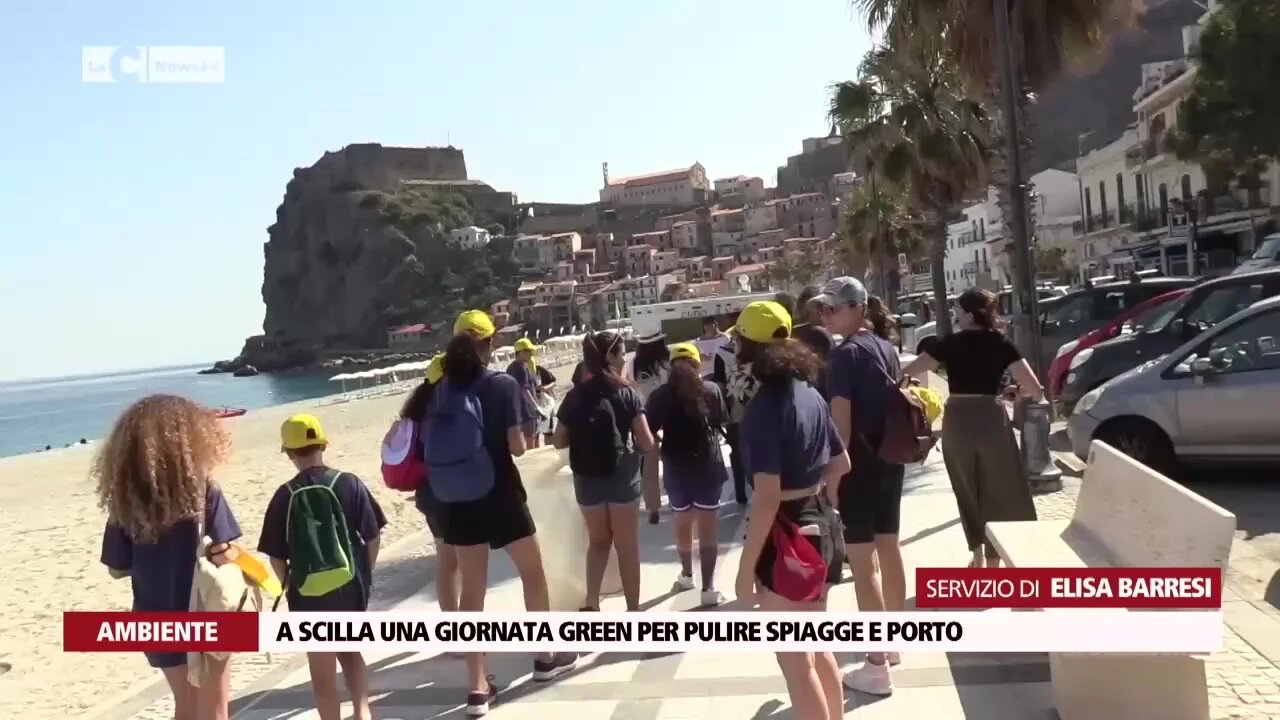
{"x": 1062, "y": 362}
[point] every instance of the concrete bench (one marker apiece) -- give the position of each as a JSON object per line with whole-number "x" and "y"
{"x": 1127, "y": 515}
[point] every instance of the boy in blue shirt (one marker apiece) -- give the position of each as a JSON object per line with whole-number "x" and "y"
{"x": 303, "y": 440}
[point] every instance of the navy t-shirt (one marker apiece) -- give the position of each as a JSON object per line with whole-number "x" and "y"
{"x": 788, "y": 431}
{"x": 364, "y": 523}
{"x": 859, "y": 370}
{"x": 524, "y": 378}
{"x": 664, "y": 400}
{"x": 161, "y": 571}
{"x": 573, "y": 407}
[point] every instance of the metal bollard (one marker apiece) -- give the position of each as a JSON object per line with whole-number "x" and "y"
{"x": 1042, "y": 473}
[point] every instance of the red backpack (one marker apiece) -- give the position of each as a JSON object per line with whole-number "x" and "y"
{"x": 799, "y": 572}
{"x": 402, "y": 466}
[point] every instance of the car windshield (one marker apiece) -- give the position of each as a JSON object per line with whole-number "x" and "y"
{"x": 1268, "y": 250}
{"x": 1148, "y": 316}
{"x": 1165, "y": 314}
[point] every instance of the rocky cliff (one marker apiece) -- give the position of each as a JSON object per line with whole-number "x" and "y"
{"x": 1099, "y": 100}
{"x": 359, "y": 245}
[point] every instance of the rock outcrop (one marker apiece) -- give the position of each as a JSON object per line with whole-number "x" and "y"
{"x": 358, "y": 246}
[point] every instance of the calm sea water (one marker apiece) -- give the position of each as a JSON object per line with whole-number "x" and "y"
{"x": 36, "y": 413}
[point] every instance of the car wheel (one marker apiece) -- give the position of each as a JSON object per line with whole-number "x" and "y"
{"x": 1141, "y": 440}
{"x": 926, "y": 346}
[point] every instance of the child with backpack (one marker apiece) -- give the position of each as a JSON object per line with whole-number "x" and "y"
{"x": 154, "y": 478}
{"x": 472, "y": 431}
{"x": 322, "y": 531}
{"x": 689, "y": 413}
{"x": 602, "y": 424}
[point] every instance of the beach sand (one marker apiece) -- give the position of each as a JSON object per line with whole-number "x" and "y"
{"x": 49, "y": 512}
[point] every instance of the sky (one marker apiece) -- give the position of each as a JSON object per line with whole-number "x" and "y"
{"x": 132, "y": 215}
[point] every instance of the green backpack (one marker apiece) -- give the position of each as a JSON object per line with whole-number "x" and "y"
{"x": 320, "y": 557}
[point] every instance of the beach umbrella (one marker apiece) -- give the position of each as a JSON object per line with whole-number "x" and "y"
{"x": 343, "y": 378}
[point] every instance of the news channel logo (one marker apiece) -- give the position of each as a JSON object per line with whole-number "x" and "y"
{"x": 153, "y": 64}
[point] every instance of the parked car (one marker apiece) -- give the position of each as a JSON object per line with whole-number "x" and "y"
{"x": 919, "y": 338}
{"x": 1132, "y": 320}
{"x": 1213, "y": 399}
{"x": 1206, "y": 305}
{"x": 1266, "y": 256}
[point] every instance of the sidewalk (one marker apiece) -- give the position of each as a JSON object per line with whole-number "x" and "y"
{"x": 672, "y": 687}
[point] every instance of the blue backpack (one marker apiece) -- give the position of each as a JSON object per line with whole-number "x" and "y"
{"x": 459, "y": 468}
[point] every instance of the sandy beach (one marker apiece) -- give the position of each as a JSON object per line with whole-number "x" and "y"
{"x": 48, "y": 508}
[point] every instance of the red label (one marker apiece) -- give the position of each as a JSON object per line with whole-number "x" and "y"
{"x": 1133, "y": 588}
{"x": 159, "y": 632}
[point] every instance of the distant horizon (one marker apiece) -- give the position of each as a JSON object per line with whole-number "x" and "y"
{"x": 36, "y": 379}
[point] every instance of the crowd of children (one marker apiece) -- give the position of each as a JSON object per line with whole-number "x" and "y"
{"x": 804, "y": 417}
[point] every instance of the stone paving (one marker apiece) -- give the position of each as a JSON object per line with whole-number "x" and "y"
{"x": 675, "y": 686}
{"x": 1243, "y": 683}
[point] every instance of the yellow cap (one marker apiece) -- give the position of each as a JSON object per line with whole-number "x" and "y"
{"x": 685, "y": 350}
{"x": 435, "y": 369}
{"x": 525, "y": 344}
{"x": 475, "y": 322}
{"x": 760, "y": 320}
{"x": 301, "y": 431}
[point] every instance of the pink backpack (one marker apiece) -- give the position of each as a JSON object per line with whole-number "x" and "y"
{"x": 402, "y": 466}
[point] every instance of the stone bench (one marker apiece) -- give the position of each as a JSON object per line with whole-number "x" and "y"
{"x": 1127, "y": 515}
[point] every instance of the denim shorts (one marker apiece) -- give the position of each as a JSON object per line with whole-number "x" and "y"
{"x": 620, "y": 488}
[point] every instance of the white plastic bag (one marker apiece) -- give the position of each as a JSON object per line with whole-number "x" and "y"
{"x": 562, "y": 534}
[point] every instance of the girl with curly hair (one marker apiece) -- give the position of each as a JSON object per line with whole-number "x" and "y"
{"x": 155, "y": 480}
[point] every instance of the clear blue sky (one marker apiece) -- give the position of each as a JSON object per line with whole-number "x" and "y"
{"x": 132, "y": 216}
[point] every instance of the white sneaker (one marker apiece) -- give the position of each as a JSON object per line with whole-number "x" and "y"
{"x": 894, "y": 659}
{"x": 711, "y": 598}
{"x": 871, "y": 679}
{"x": 682, "y": 583}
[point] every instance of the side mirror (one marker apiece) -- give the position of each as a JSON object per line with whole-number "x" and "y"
{"x": 1179, "y": 327}
{"x": 1203, "y": 367}
{"x": 1218, "y": 358}
{"x": 908, "y": 320}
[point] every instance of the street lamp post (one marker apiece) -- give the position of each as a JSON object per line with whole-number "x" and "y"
{"x": 1027, "y": 332}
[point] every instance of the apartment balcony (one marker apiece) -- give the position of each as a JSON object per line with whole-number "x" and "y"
{"x": 969, "y": 269}
{"x": 1099, "y": 223}
{"x": 1146, "y": 219}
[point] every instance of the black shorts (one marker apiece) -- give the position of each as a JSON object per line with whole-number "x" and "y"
{"x": 497, "y": 519}
{"x": 429, "y": 506}
{"x": 812, "y": 510}
{"x": 870, "y": 496}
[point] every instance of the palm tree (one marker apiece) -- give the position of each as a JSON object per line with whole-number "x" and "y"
{"x": 909, "y": 112}
{"x": 1046, "y": 36}
{"x": 878, "y": 225}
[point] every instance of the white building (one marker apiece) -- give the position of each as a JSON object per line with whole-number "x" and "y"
{"x": 1142, "y": 205}
{"x": 749, "y": 189}
{"x": 685, "y": 186}
{"x": 469, "y": 238}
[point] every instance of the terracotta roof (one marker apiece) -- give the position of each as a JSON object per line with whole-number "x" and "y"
{"x": 756, "y": 267}
{"x": 652, "y": 178}
{"x": 413, "y": 329}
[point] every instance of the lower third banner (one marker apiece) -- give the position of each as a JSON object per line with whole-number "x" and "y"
{"x": 992, "y": 631}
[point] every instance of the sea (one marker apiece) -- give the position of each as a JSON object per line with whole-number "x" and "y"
{"x": 55, "y": 412}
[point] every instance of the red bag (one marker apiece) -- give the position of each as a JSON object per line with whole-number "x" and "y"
{"x": 402, "y": 466}
{"x": 799, "y": 572}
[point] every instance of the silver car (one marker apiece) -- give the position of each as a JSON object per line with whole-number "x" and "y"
{"x": 1216, "y": 399}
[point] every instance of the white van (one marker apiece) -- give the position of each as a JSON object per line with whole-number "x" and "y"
{"x": 1266, "y": 256}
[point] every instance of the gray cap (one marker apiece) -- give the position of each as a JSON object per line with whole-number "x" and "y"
{"x": 842, "y": 291}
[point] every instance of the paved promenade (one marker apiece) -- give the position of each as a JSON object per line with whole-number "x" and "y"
{"x": 671, "y": 687}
